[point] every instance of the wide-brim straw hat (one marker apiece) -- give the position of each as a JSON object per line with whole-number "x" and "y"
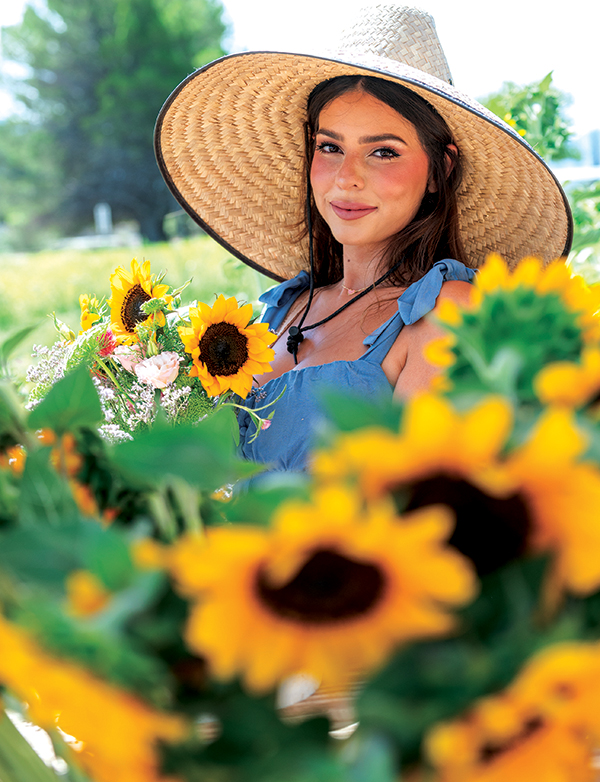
{"x": 230, "y": 144}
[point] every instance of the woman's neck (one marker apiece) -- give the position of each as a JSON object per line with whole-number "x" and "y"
{"x": 361, "y": 269}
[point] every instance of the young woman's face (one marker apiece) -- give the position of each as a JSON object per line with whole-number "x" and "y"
{"x": 369, "y": 172}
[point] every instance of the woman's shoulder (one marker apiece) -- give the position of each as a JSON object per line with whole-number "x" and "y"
{"x": 448, "y": 275}
{"x": 458, "y": 291}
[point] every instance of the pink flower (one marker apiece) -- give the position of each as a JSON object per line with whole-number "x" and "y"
{"x": 158, "y": 371}
{"x": 128, "y": 356}
{"x": 107, "y": 343}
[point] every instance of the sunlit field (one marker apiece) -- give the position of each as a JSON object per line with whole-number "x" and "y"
{"x": 34, "y": 285}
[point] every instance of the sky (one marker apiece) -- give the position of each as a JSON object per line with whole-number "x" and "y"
{"x": 485, "y": 43}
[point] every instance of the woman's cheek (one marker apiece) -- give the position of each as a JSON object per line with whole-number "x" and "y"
{"x": 320, "y": 177}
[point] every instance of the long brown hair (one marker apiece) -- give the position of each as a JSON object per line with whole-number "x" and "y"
{"x": 433, "y": 234}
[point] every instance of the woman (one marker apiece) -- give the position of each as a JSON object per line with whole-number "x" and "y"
{"x": 408, "y": 183}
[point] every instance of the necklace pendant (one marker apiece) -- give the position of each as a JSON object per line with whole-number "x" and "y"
{"x": 353, "y": 291}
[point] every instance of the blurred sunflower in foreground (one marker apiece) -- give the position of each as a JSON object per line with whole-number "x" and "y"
{"x": 519, "y": 321}
{"x": 328, "y": 590}
{"x": 545, "y": 726}
{"x": 537, "y": 496}
{"x": 116, "y": 733}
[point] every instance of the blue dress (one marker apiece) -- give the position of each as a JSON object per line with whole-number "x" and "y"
{"x": 287, "y": 443}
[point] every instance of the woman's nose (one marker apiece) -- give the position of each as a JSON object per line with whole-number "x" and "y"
{"x": 349, "y": 173}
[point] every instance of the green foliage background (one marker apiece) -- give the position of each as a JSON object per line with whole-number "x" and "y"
{"x": 538, "y": 111}
{"x": 97, "y": 74}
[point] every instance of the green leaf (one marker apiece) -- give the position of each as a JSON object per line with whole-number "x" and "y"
{"x": 349, "y": 412}
{"x": 12, "y": 416}
{"x": 42, "y": 556}
{"x": 69, "y": 405}
{"x": 13, "y": 341}
{"x": 109, "y": 559}
{"x": 46, "y": 497}
{"x": 546, "y": 82}
{"x": 258, "y": 506}
{"x": 18, "y": 760}
{"x": 203, "y": 455}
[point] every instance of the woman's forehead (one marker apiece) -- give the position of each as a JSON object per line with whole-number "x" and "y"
{"x": 363, "y": 115}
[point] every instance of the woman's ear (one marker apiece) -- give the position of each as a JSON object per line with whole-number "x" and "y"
{"x": 451, "y": 158}
{"x": 431, "y": 188}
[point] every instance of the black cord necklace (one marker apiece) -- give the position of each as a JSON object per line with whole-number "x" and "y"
{"x": 296, "y": 333}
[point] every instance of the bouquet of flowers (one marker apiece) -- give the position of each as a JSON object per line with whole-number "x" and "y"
{"x": 148, "y": 353}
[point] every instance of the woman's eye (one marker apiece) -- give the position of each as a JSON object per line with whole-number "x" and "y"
{"x": 386, "y": 152}
{"x": 327, "y": 147}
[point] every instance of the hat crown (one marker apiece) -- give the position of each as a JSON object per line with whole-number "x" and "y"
{"x": 401, "y": 33}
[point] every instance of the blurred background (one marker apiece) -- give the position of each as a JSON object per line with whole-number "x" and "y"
{"x": 81, "y": 84}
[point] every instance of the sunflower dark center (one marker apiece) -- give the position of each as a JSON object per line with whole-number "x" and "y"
{"x": 329, "y": 588}
{"x": 490, "y": 751}
{"x": 595, "y": 400}
{"x": 223, "y": 349}
{"x": 131, "y": 309}
{"x": 491, "y": 531}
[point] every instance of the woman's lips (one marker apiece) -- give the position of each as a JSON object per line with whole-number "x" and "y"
{"x": 351, "y": 211}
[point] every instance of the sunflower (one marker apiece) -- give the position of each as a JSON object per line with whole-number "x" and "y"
{"x": 521, "y": 746}
{"x": 225, "y": 349}
{"x": 328, "y": 590}
{"x": 89, "y": 311}
{"x": 543, "y": 727}
{"x": 562, "y": 496}
{"x": 517, "y": 322}
{"x": 553, "y": 279}
{"x": 129, "y": 291}
{"x": 539, "y": 498}
{"x": 569, "y": 383}
{"x": 565, "y": 677}
{"x": 116, "y": 732}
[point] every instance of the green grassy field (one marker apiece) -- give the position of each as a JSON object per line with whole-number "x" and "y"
{"x": 32, "y": 286}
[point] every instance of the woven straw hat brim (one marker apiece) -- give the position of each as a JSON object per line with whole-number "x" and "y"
{"x": 230, "y": 144}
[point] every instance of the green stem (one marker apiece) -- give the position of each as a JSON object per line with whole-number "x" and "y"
{"x": 188, "y": 501}
{"x": 114, "y": 379}
{"x": 254, "y": 409}
{"x": 222, "y": 401}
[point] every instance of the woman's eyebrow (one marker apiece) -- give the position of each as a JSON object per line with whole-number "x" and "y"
{"x": 364, "y": 139}
{"x": 381, "y": 137}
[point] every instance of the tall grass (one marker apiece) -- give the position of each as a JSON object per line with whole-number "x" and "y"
{"x": 33, "y": 285}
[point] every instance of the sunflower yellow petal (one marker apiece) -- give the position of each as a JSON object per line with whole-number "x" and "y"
{"x": 494, "y": 416}
{"x": 429, "y": 415}
{"x": 563, "y": 383}
{"x": 219, "y": 309}
{"x": 527, "y": 273}
{"x": 439, "y": 351}
{"x": 449, "y": 312}
{"x": 493, "y": 274}
{"x": 556, "y": 437}
{"x": 240, "y": 384}
{"x": 239, "y": 316}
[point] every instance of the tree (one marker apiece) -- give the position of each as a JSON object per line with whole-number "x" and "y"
{"x": 28, "y": 172}
{"x": 537, "y": 112}
{"x": 98, "y": 73}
